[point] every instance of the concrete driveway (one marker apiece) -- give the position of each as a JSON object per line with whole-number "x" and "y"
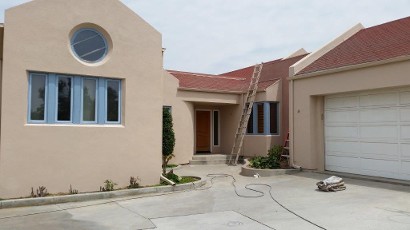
{"x": 364, "y": 205}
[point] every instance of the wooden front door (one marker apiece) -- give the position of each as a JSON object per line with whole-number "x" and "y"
{"x": 203, "y": 131}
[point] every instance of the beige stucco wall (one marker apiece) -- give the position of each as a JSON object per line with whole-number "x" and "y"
{"x": 37, "y": 39}
{"x": 307, "y": 144}
{"x": 183, "y": 117}
{"x": 258, "y": 145}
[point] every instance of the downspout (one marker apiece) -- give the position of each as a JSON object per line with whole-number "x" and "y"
{"x": 292, "y": 123}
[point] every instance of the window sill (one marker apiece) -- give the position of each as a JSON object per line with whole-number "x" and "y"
{"x": 78, "y": 125}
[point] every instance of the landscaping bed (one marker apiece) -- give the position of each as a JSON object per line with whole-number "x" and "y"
{"x": 270, "y": 165}
{"x": 186, "y": 184}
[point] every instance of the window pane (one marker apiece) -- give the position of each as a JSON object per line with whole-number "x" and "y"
{"x": 89, "y": 92}
{"x": 274, "y": 121}
{"x": 113, "y": 90}
{"x": 89, "y": 45}
{"x": 64, "y": 99}
{"x": 260, "y": 119}
{"x": 250, "y": 123}
{"x": 216, "y": 127}
{"x": 37, "y": 102}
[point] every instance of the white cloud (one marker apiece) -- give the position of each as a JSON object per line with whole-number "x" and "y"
{"x": 216, "y": 36}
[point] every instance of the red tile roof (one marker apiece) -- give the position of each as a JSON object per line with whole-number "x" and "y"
{"x": 372, "y": 44}
{"x": 238, "y": 80}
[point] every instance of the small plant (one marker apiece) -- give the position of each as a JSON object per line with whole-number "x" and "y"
{"x": 40, "y": 192}
{"x": 272, "y": 161}
{"x": 134, "y": 182}
{"x": 108, "y": 186}
{"x": 72, "y": 191}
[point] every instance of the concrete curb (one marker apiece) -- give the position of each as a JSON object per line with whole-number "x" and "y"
{"x": 250, "y": 172}
{"x": 98, "y": 195}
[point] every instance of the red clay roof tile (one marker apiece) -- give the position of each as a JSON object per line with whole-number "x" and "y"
{"x": 372, "y": 44}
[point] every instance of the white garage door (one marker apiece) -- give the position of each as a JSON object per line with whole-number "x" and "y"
{"x": 368, "y": 133}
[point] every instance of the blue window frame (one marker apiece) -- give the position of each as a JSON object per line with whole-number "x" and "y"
{"x": 89, "y": 102}
{"x": 264, "y": 119}
{"x": 64, "y": 99}
{"x": 113, "y": 101}
{"x": 73, "y": 99}
{"x": 37, "y": 110}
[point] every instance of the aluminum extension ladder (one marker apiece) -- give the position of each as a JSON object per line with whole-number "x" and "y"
{"x": 246, "y": 112}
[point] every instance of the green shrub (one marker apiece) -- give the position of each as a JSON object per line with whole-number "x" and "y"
{"x": 272, "y": 161}
{"x": 168, "y": 138}
{"x": 174, "y": 177}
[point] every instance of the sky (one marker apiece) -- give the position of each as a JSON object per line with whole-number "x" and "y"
{"x": 217, "y": 36}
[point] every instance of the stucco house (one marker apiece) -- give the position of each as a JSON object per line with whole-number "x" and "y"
{"x": 206, "y": 109}
{"x": 350, "y": 103}
{"x": 75, "y": 78}
{"x": 83, "y": 89}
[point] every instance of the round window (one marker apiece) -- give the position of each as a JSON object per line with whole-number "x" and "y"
{"x": 89, "y": 45}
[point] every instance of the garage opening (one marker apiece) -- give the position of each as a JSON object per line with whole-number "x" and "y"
{"x": 368, "y": 133}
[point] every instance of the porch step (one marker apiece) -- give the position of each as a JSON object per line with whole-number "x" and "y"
{"x": 209, "y": 159}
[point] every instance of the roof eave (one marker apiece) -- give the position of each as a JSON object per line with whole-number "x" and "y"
{"x": 210, "y": 90}
{"x": 351, "y": 67}
{"x": 218, "y": 91}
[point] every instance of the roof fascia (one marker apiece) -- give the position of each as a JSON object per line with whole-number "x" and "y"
{"x": 351, "y": 67}
{"x": 210, "y": 91}
{"x": 309, "y": 59}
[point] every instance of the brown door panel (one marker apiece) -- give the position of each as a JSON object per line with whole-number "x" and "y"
{"x": 203, "y": 131}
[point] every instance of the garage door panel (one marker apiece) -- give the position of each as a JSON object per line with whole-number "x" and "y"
{"x": 342, "y": 102}
{"x": 341, "y": 131}
{"x": 405, "y": 151}
{"x": 382, "y": 99}
{"x": 405, "y": 132}
{"x": 405, "y": 168}
{"x": 341, "y": 116}
{"x": 379, "y": 115}
{"x": 379, "y": 132}
{"x": 343, "y": 147}
{"x": 386, "y": 151}
{"x": 405, "y": 114}
{"x": 383, "y": 168}
{"x": 404, "y": 98}
{"x": 343, "y": 164}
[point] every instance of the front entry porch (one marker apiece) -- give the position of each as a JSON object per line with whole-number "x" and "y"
{"x": 207, "y": 130}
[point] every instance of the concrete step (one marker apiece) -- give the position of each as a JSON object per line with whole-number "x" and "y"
{"x": 210, "y": 159}
{"x": 208, "y": 162}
